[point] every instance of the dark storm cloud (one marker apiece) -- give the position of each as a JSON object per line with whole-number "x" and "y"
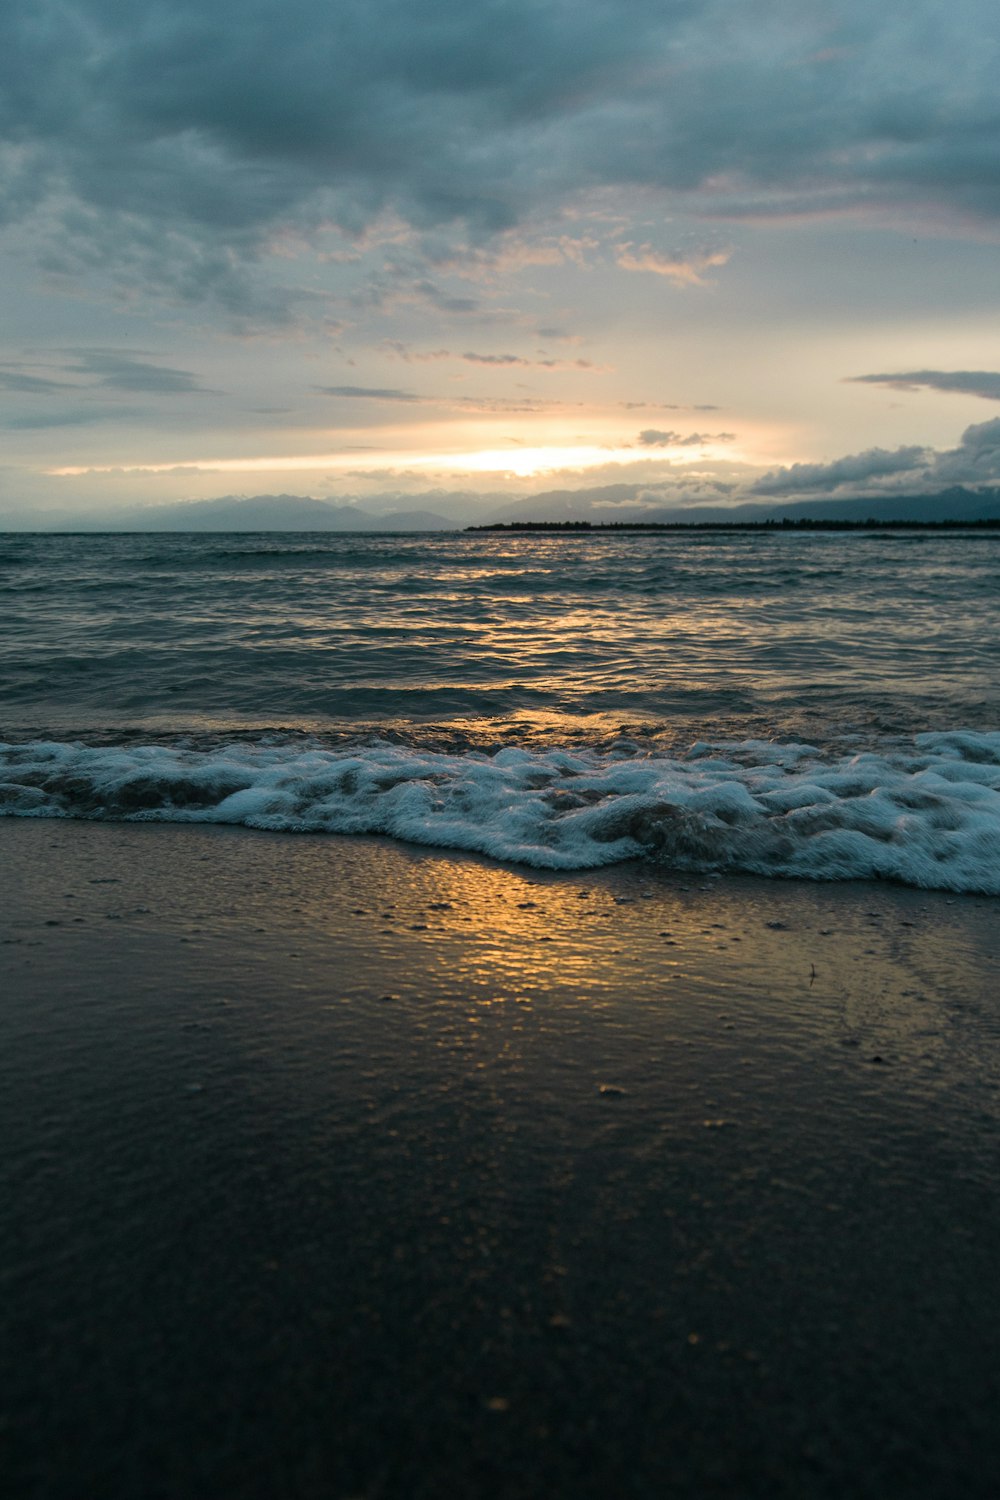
{"x": 171, "y": 141}
{"x": 985, "y": 383}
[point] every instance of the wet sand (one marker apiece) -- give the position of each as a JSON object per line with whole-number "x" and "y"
{"x": 335, "y": 1168}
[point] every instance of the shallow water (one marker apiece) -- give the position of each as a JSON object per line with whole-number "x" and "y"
{"x": 820, "y": 704}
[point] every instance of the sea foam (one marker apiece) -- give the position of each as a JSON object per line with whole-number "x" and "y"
{"x": 928, "y": 816}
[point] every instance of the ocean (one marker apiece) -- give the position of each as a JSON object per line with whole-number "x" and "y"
{"x": 818, "y": 705}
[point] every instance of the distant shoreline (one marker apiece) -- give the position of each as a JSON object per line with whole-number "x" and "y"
{"x": 784, "y": 524}
{"x": 561, "y": 527}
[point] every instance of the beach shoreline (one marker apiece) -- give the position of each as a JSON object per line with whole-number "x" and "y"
{"x": 340, "y": 1167}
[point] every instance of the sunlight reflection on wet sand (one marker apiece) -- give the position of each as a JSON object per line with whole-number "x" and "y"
{"x": 336, "y": 1146}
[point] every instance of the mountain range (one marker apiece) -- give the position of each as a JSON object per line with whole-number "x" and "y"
{"x": 601, "y": 505}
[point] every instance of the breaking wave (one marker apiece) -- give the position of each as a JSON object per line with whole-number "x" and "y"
{"x": 926, "y": 816}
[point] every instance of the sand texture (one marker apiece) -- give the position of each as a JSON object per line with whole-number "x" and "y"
{"x": 335, "y": 1168}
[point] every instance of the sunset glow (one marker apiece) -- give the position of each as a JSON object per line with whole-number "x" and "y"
{"x": 491, "y": 288}
{"x": 520, "y": 462}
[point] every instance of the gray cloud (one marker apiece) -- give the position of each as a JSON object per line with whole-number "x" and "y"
{"x": 985, "y": 383}
{"x": 166, "y": 145}
{"x": 367, "y": 393}
{"x": 652, "y": 437}
{"x": 541, "y": 363}
{"x": 76, "y": 417}
{"x": 974, "y": 461}
{"x": 855, "y": 470}
{"x": 500, "y": 405}
{"x": 662, "y": 406}
{"x": 443, "y": 301}
{"x": 507, "y": 405}
{"x": 471, "y": 357}
{"x": 495, "y": 359}
{"x": 124, "y": 372}
{"x": 111, "y": 369}
{"x": 30, "y": 385}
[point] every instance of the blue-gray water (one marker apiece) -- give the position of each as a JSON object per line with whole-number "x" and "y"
{"x": 821, "y": 704}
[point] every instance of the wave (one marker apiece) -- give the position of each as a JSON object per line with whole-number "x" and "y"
{"x": 927, "y": 815}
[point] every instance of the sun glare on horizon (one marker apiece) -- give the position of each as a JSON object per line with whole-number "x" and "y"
{"x": 520, "y": 462}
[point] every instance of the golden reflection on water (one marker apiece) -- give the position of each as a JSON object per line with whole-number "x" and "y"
{"x": 521, "y": 936}
{"x": 328, "y": 962}
{"x": 390, "y": 978}
{"x": 860, "y": 960}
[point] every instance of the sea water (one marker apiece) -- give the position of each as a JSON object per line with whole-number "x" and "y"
{"x": 820, "y": 705}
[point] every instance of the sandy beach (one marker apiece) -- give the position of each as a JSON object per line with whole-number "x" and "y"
{"x": 337, "y": 1168}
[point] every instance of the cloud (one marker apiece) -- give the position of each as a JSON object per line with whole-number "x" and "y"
{"x": 78, "y": 417}
{"x": 975, "y": 461}
{"x": 541, "y": 363}
{"x": 682, "y": 269}
{"x": 170, "y": 146}
{"x": 124, "y": 372}
{"x": 652, "y": 437}
{"x": 111, "y": 370}
{"x": 30, "y": 385}
{"x": 445, "y": 301}
{"x": 504, "y": 360}
{"x": 367, "y": 393}
{"x": 662, "y": 406}
{"x": 855, "y": 470}
{"x": 985, "y": 383}
{"x": 506, "y": 405}
{"x": 493, "y": 359}
{"x": 498, "y": 405}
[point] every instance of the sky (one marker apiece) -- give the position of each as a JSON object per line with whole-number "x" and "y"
{"x": 442, "y": 254}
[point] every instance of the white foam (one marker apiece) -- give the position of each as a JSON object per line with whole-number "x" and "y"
{"x": 927, "y": 817}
